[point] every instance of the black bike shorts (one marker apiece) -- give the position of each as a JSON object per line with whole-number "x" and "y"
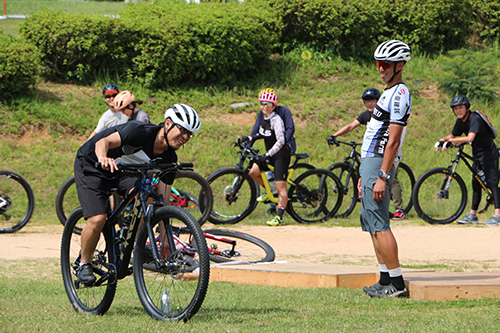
{"x": 280, "y": 164}
{"x": 93, "y": 186}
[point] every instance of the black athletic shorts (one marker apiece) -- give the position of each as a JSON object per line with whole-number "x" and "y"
{"x": 280, "y": 164}
{"x": 93, "y": 186}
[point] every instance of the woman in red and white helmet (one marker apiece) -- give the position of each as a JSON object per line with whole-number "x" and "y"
{"x": 271, "y": 128}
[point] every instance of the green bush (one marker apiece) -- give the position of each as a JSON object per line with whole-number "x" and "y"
{"x": 72, "y": 45}
{"x": 213, "y": 42}
{"x": 355, "y": 28}
{"x": 470, "y": 73}
{"x": 429, "y": 26}
{"x": 156, "y": 44}
{"x": 19, "y": 63}
{"x": 351, "y": 28}
{"x": 487, "y": 15}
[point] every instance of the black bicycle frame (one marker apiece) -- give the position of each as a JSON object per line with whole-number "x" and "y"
{"x": 461, "y": 155}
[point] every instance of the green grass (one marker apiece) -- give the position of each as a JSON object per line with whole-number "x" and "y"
{"x": 20, "y": 7}
{"x": 38, "y": 303}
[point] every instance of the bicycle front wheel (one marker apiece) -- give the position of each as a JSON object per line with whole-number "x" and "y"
{"x": 98, "y": 298}
{"x": 185, "y": 275}
{"x": 228, "y": 245}
{"x": 235, "y": 195}
{"x": 17, "y": 202}
{"x": 195, "y": 195}
{"x": 316, "y": 196}
{"x": 402, "y": 189}
{"x": 439, "y": 198}
{"x": 349, "y": 187}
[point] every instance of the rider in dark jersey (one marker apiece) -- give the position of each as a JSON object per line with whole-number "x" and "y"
{"x": 287, "y": 118}
{"x": 272, "y": 129}
{"x": 484, "y": 151}
{"x": 93, "y": 183}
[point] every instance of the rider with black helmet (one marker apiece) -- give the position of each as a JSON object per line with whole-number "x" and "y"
{"x": 484, "y": 151}
{"x": 370, "y": 98}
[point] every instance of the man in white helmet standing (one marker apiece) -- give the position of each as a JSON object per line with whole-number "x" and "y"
{"x": 93, "y": 183}
{"x": 380, "y": 154}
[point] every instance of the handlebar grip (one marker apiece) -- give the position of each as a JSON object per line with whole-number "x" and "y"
{"x": 185, "y": 165}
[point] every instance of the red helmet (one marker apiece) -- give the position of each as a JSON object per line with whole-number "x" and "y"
{"x": 268, "y": 95}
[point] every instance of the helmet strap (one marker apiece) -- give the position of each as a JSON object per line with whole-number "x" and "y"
{"x": 395, "y": 72}
{"x": 165, "y": 132}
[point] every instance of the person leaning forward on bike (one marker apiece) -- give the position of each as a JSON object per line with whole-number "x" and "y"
{"x": 272, "y": 129}
{"x": 93, "y": 183}
{"x": 484, "y": 151}
{"x": 381, "y": 146}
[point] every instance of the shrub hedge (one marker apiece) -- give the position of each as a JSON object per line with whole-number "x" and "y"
{"x": 156, "y": 44}
{"x": 19, "y": 63}
{"x": 163, "y": 43}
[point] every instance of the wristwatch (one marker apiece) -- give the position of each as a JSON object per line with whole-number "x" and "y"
{"x": 382, "y": 174}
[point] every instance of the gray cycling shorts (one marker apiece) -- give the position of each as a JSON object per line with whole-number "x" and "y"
{"x": 374, "y": 216}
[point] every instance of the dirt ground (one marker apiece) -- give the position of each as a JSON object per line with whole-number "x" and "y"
{"x": 465, "y": 248}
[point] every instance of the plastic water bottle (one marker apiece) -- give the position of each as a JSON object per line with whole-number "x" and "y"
{"x": 272, "y": 183}
{"x": 481, "y": 175}
{"x": 166, "y": 304}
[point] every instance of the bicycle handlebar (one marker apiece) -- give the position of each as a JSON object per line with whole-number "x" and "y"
{"x": 352, "y": 143}
{"x": 151, "y": 165}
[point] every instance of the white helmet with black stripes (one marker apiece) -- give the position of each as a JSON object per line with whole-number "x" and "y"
{"x": 392, "y": 51}
{"x": 185, "y": 116}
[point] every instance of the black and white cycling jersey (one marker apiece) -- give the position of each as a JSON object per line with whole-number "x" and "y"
{"x": 393, "y": 107}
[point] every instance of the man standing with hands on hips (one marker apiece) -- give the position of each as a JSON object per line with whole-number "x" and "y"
{"x": 380, "y": 154}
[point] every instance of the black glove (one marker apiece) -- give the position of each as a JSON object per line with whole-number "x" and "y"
{"x": 448, "y": 144}
{"x": 438, "y": 144}
{"x": 245, "y": 139}
{"x": 261, "y": 159}
{"x": 332, "y": 141}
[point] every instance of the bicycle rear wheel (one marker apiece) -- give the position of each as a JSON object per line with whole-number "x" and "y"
{"x": 195, "y": 195}
{"x": 66, "y": 199}
{"x": 315, "y": 197}
{"x": 402, "y": 187}
{"x": 98, "y": 298}
{"x": 349, "y": 187}
{"x": 439, "y": 198}
{"x": 17, "y": 202}
{"x": 185, "y": 280}
{"x": 237, "y": 246}
{"x": 235, "y": 195}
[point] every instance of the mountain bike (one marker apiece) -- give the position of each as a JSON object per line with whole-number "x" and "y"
{"x": 313, "y": 196}
{"x": 228, "y": 245}
{"x": 17, "y": 202}
{"x": 348, "y": 173}
{"x": 189, "y": 187}
{"x": 440, "y": 194}
{"x": 170, "y": 286}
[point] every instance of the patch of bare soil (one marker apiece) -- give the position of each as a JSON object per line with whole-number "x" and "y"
{"x": 463, "y": 248}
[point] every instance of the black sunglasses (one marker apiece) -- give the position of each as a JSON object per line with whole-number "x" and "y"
{"x": 184, "y": 131}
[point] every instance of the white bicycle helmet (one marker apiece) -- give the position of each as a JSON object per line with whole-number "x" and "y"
{"x": 185, "y": 116}
{"x": 392, "y": 51}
